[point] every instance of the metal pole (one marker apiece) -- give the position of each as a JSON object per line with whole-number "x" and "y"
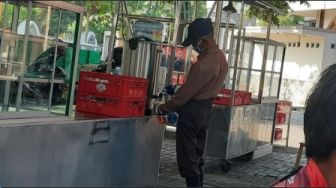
{"x": 54, "y": 62}
{"x": 195, "y": 10}
{"x": 264, "y": 61}
{"x": 24, "y": 53}
{"x": 226, "y": 32}
{"x": 242, "y": 58}
{"x": 227, "y": 79}
{"x": 272, "y": 70}
{"x": 113, "y": 37}
{"x": 74, "y": 64}
{"x": 212, "y": 9}
{"x": 3, "y": 29}
{"x": 289, "y": 124}
{"x": 237, "y": 53}
{"x": 174, "y": 43}
{"x": 218, "y": 20}
{"x": 248, "y": 77}
{"x": 45, "y": 43}
{"x": 7, "y": 85}
{"x": 189, "y": 49}
{"x": 129, "y": 33}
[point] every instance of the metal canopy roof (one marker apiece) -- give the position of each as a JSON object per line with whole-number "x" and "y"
{"x": 264, "y": 5}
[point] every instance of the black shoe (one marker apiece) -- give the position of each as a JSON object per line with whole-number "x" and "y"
{"x": 193, "y": 181}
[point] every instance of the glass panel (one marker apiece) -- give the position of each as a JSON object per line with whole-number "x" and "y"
{"x": 267, "y": 85}
{"x": 40, "y": 55}
{"x": 265, "y": 127}
{"x": 278, "y": 59}
{"x": 229, "y": 79}
{"x": 274, "y": 85}
{"x": 246, "y": 55}
{"x": 64, "y": 61}
{"x": 29, "y": 62}
{"x": 258, "y": 56}
{"x": 271, "y": 85}
{"x": 254, "y": 82}
{"x": 270, "y": 57}
{"x": 12, "y": 54}
{"x": 242, "y": 83}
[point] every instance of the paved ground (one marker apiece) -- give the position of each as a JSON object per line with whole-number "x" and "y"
{"x": 258, "y": 173}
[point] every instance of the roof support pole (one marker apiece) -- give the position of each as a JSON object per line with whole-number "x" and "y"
{"x": 237, "y": 51}
{"x": 218, "y": 20}
{"x": 113, "y": 36}
{"x": 264, "y": 60}
{"x": 174, "y": 42}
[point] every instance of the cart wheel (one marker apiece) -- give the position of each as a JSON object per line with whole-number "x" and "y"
{"x": 225, "y": 166}
{"x": 247, "y": 157}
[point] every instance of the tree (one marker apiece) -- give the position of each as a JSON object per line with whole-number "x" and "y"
{"x": 98, "y": 17}
{"x": 262, "y": 14}
{"x": 285, "y": 20}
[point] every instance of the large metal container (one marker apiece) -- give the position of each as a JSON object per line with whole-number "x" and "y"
{"x": 143, "y": 62}
{"x": 233, "y": 131}
{"x": 88, "y": 153}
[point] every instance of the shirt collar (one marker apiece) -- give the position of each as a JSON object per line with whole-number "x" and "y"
{"x": 211, "y": 50}
{"x": 315, "y": 175}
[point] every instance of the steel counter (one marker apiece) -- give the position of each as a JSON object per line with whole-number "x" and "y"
{"x": 238, "y": 130}
{"x": 109, "y": 152}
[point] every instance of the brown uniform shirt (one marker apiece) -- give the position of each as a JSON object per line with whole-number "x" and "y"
{"x": 204, "y": 80}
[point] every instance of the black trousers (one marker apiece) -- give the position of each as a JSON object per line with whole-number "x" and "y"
{"x": 192, "y": 126}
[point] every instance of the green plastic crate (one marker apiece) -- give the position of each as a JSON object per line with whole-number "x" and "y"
{"x": 94, "y": 57}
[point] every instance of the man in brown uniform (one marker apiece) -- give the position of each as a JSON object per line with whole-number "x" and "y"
{"x": 193, "y": 101}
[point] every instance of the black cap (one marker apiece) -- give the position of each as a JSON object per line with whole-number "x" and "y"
{"x": 198, "y": 28}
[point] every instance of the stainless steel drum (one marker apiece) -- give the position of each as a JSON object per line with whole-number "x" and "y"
{"x": 143, "y": 62}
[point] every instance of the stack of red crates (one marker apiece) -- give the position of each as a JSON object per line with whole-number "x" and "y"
{"x": 240, "y": 98}
{"x": 111, "y": 95}
{"x": 277, "y": 134}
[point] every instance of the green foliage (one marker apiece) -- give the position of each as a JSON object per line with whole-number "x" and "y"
{"x": 287, "y": 20}
{"x": 98, "y": 15}
{"x": 276, "y": 18}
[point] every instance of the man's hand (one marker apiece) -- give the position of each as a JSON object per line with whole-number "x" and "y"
{"x": 161, "y": 115}
{"x": 162, "y": 119}
{"x": 158, "y": 111}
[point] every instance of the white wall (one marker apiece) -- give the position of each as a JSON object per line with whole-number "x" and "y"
{"x": 329, "y": 55}
{"x": 302, "y": 65}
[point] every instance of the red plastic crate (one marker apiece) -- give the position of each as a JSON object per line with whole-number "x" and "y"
{"x": 109, "y": 106}
{"x": 280, "y": 118}
{"x": 278, "y": 134}
{"x": 225, "y": 98}
{"x": 247, "y": 98}
{"x": 125, "y": 87}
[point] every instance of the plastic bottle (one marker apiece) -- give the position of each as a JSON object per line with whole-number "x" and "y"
{"x": 117, "y": 71}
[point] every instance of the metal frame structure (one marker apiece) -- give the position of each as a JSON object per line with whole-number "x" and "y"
{"x": 62, "y": 6}
{"x": 74, "y": 135}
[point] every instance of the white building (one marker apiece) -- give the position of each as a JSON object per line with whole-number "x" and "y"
{"x": 310, "y": 49}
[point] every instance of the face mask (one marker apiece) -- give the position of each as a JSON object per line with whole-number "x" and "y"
{"x": 197, "y": 47}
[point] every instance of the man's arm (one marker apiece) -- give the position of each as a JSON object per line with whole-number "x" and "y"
{"x": 196, "y": 79}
